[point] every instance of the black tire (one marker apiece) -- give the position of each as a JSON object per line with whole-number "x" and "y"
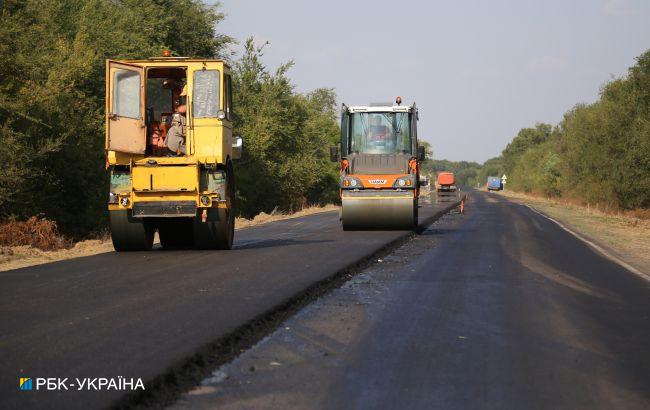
{"x": 130, "y": 234}
{"x": 176, "y": 233}
{"x": 218, "y": 231}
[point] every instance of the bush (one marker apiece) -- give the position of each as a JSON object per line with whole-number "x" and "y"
{"x": 36, "y": 232}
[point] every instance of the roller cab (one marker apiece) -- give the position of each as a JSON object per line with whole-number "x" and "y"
{"x": 169, "y": 151}
{"x": 379, "y": 166}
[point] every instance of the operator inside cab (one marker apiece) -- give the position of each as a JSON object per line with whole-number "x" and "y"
{"x": 379, "y": 134}
{"x": 176, "y": 135}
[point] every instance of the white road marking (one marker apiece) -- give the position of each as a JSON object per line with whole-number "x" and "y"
{"x": 594, "y": 246}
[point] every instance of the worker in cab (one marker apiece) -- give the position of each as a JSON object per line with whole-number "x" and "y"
{"x": 177, "y": 134}
{"x": 378, "y": 132}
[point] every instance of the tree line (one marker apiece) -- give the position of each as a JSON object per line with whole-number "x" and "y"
{"x": 598, "y": 154}
{"x": 52, "y": 107}
{"x": 465, "y": 172}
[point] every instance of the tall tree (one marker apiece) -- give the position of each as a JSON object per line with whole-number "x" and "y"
{"x": 52, "y": 95}
{"x": 287, "y": 134}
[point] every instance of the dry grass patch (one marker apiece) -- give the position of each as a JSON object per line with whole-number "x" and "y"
{"x": 15, "y": 257}
{"x": 36, "y": 232}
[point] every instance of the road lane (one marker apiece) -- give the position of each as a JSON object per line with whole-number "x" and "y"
{"x": 500, "y": 308}
{"x": 135, "y": 314}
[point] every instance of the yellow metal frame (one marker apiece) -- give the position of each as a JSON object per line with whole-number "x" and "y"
{"x": 209, "y": 142}
{"x": 209, "y": 139}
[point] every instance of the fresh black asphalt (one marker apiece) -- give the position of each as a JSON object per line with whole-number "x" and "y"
{"x": 135, "y": 314}
{"x": 497, "y": 309}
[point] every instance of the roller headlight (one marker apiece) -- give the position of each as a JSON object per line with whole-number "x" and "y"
{"x": 404, "y": 182}
{"x": 352, "y": 182}
{"x": 205, "y": 200}
{"x": 124, "y": 201}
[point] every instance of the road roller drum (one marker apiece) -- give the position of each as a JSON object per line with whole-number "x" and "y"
{"x": 378, "y": 212}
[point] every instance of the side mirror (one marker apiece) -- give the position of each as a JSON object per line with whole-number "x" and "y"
{"x": 335, "y": 154}
{"x": 237, "y": 147}
{"x": 422, "y": 154}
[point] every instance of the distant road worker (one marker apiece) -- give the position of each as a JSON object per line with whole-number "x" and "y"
{"x": 176, "y": 134}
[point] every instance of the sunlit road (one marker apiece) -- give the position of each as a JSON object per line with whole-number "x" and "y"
{"x": 497, "y": 309}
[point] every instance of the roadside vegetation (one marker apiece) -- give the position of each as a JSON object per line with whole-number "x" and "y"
{"x": 598, "y": 155}
{"x": 287, "y": 135}
{"x": 36, "y": 232}
{"x": 465, "y": 172}
{"x": 52, "y": 65}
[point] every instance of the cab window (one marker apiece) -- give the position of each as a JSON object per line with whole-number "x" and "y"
{"x": 205, "y": 94}
{"x": 126, "y": 93}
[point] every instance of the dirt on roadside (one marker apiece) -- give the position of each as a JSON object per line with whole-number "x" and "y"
{"x": 14, "y": 257}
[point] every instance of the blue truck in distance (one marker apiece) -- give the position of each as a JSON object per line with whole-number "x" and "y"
{"x": 494, "y": 184}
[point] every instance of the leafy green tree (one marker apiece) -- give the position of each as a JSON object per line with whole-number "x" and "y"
{"x": 538, "y": 171}
{"x": 606, "y": 145}
{"x": 525, "y": 139}
{"x": 599, "y": 153}
{"x": 285, "y": 163}
{"x": 492, "y": 167}
{"x": 52, "y": 66}
{"x": 464, "y": 171}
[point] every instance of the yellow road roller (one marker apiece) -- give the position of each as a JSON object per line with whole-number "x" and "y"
{"x": 169, "y": 151}
{"x": 379, "y": 156}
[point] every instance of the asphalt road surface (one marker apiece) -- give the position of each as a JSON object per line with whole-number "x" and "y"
{"x": 133, "y": 315}
{"x": 499, "y": 308}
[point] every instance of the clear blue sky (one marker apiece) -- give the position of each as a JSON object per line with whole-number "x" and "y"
{"x": 478, "y": 70}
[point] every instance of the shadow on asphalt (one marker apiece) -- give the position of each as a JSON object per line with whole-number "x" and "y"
{"x": 276, "y": 242}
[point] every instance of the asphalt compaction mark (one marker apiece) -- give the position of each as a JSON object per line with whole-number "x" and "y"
{"x": 183, "y": 376}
